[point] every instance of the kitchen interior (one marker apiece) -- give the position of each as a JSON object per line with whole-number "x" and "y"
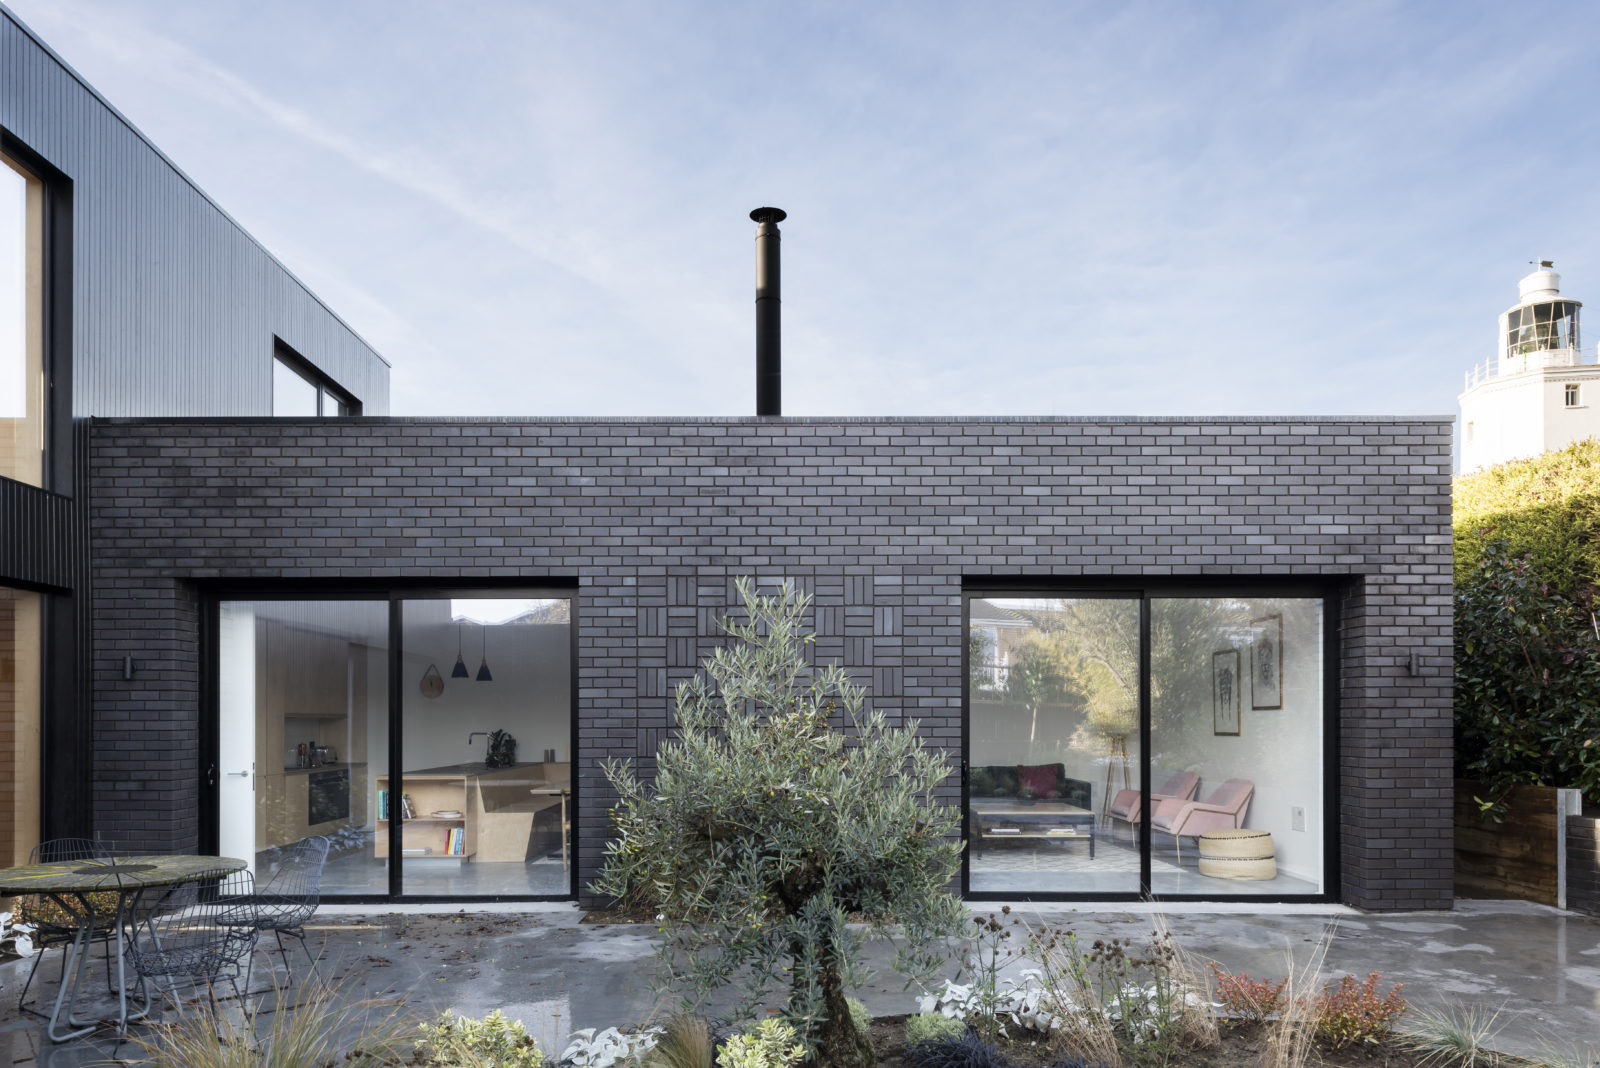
{"x": 484, "y": 805}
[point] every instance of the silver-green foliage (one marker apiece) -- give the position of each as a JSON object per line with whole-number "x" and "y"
{"x": 771, "y": 1045}
{"x": 1455, "y": 1036}
{"x": 781, "y": 813}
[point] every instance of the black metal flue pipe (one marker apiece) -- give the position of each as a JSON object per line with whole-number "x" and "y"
{"x": 769, "y": 312}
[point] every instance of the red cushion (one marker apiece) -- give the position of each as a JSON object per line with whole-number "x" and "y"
{"x": 1040, "y": 778}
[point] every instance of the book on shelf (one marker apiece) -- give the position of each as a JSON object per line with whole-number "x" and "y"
{"x": 406, "y": 811}
{"x": 383, "y": 804}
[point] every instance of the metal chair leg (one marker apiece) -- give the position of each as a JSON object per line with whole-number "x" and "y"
{"x": 301, "y": 935}
{"x": 23, "y": 998}
{"x": 288, "y": 972}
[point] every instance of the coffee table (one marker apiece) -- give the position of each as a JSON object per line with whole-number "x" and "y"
{"x": 69, "y": 883}
{"x": 997, "y": 819}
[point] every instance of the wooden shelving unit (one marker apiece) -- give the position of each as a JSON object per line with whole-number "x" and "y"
{"x": 430, "y": 793}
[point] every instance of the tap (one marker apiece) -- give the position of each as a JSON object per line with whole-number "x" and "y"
{"x": 475, "y": 734}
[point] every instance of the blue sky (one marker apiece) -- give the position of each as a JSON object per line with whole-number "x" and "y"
{"x": 998, "y": 209}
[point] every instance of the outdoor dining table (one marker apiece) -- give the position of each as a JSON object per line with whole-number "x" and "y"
{"x": 69, "y": 883}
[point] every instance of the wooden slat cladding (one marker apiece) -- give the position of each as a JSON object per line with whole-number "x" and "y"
{"x": 40, "y": 540}
{"x": 175, "y": 306}
{"x": 1516, "y": 858}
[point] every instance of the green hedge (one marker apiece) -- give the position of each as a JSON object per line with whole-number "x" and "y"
{"x": 1547, "y": 509}
{"x": 1527, "y": 643}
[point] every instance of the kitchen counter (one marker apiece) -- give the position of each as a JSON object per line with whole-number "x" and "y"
{"x": 321, "y": 767}
{"x": 476, "y": 768}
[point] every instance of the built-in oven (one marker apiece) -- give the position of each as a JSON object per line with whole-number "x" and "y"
{"x": 329, "y": 796}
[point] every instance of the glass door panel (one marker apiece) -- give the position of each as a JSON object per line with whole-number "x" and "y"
{"x": 303, "y": 706}
{"x": 484, "y": 798}
{"x": 1236, "y": 735}
{"x": 1053, "y": 765}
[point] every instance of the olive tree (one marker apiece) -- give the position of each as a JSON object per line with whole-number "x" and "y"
{"x": 783, "y": 828}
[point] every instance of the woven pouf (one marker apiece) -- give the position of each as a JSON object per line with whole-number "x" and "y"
{"x": 1238, "y": 853}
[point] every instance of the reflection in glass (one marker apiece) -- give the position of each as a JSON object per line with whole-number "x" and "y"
{"x": 22, "y": 376}
{"x": 292, "y": 395}
{"x": 1053, "y": 769}
{"x": 487, "y": 776}
{"x": 20, "y": 665}
{"x": 1236, "y": 719}
{"x": 303, "y": 728}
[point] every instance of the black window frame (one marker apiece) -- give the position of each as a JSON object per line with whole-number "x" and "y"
{"x": 1330, "y": 591}
{"x": 285, "y": 354}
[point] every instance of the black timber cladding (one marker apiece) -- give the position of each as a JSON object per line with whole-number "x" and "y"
{"x": 885, "y": 521}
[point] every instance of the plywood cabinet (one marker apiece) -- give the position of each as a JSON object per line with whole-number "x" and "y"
{"x": 497, "y": 806}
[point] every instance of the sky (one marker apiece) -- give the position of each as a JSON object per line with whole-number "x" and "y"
{"x": 994, "y": 209}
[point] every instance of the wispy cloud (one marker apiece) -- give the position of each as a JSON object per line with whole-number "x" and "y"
{"x": 1151, "y": 208}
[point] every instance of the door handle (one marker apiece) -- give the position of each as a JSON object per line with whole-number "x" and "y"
{"x": 238, "y": 774}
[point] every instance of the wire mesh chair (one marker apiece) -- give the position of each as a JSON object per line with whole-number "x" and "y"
{"x": 58, "y": 923}
{"x": 290, "y": 898}
{"x": 203, "y": 929}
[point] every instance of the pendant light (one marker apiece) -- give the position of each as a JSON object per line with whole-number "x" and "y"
{"x": 460, "y": 670}
{"x": 483, "y": 668}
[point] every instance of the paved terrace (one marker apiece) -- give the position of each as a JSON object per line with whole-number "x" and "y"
{"x": 1539, "y": 967}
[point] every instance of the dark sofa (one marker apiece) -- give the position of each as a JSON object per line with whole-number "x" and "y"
{"x": 1005, "y": 780}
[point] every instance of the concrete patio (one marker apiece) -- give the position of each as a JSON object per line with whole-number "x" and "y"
{"x": 1539, "y": 967}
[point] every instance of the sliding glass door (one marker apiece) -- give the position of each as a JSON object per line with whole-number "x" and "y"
{"x": 1147, "y": 741}
{"x": 476, "y": 798}
{"x": 486, "y": 727}
{"x": 1236, "y": 728}
{"x": 1054, "y": 729}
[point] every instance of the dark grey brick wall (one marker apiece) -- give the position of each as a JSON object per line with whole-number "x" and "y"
{"x": 880, "y": 519}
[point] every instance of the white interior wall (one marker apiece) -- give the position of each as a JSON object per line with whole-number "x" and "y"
{"x": 530, "y": 695}
{"x": 1280, "y": 751}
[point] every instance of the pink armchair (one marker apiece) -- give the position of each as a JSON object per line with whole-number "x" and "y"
{"x": 1224, "y": 808}
{"x": 1126, "y": 806}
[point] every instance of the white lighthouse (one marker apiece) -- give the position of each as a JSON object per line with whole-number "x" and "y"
{"x": 1541, "y": 391}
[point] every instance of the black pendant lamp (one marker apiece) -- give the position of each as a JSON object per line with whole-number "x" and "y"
{"x": 460, "y": 670}
{"x": 483, "y": 668}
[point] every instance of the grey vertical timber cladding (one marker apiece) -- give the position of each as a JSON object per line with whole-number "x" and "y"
{"x": 882, "y": 520}
{"x": 175, "y": 306}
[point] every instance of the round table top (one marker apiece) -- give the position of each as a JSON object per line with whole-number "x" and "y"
{"x": 121, "y": 873}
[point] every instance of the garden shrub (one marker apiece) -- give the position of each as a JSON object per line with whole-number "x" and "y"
{"x": 492, "y": 1042}
{"x": 968, "y": 1051}
{"x": 1244, "y": 998}
{"x": 932, "y": 1026}
{"x": 1355, "y": 1011}
{"x": 685, "y": 1042}
{"x": 772, "y": 1044}
{"x": 1527, "y": 643}
{"x": 1527, "y": 680}
{"x": 769, "y": 830}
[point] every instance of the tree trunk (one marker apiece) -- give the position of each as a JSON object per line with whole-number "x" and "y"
{"x": 839, "y": 1044}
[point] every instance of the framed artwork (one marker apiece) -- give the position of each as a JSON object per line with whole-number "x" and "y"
{"x": 1225, "y": 692}
{"x": 1266, "y": 663}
